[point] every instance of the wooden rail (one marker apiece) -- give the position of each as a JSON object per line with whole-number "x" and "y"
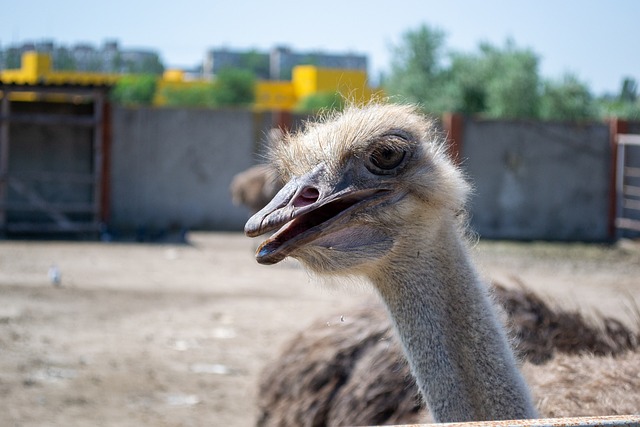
{"x": 610, "y": 421}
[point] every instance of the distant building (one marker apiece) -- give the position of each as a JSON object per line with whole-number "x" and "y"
{"x": 219, "y": 59}
{"x": 282, "y": 60}
{"x": 279, "y": 62}
{"x": 109, "y": 58}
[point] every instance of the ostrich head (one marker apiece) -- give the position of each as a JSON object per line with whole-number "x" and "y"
{"x": 362, "y": 184}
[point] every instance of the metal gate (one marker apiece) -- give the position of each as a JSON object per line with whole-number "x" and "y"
{"x": 54, "y": 195}
{"x": 627, "y": 219}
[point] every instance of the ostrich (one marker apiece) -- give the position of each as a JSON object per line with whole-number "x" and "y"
{"x": 372, "y": 194}
{"x": 256, "y": 186}
{"x": 352, "y": 372}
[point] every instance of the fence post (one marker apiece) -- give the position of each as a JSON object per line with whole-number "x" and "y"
{"x": 453, "y": 124}
{"x": 105, "y": 213}
{"x": 282, "y": 120}
{"x": 616, "y": 126}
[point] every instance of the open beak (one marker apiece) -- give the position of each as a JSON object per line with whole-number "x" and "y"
{"x": 305, "y": 209}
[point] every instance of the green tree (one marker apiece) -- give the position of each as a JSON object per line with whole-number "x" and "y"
{"x": 513, "y": 83}
{"x": 257, "y": 62}
{"x": 233, "y": 88}
{"x": 417, "y": 72}
{"x": 496, "y": 82}
{"x": 150, "y": 65}
{"x": 608, "y": 107}
{"x": 467, "y": 84}
{"x": 189, "y": 96}
{"x": 135, "y": 90}
{"x": 629, "y": 90}
{"x": 625, "y": 105}
{"x": 566, "y": 99}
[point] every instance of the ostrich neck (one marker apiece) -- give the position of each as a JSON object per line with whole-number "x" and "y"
{"x": 455, "y": 345}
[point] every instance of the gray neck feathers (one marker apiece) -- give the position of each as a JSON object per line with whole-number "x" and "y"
{"x": 451, "y": 335}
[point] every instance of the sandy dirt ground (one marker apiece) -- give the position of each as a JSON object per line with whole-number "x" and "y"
{"x": 176, "y": 334}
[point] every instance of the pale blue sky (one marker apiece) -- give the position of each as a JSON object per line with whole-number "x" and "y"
{"x": 597, "y": 40}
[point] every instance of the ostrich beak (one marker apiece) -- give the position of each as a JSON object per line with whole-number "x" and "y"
{"x": 305, "y": 209}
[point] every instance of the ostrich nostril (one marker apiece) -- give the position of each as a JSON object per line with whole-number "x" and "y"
{"x": 306, "y": 197}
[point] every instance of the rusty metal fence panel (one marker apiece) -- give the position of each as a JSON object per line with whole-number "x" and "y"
{"x": 628, "y": 185}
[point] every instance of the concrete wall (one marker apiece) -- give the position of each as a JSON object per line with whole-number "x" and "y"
{"x": 538, "y": 180}
{"x": 171, "y": 168}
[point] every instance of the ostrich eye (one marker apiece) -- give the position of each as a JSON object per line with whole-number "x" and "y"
{"x": 384, "y": 159}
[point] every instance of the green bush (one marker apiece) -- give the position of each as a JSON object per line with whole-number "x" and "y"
{"x": 135, "y": 90}
{"x": 188, "y": 96}
{"x": 234, "y": 88}
{"x": 567, "y": 99}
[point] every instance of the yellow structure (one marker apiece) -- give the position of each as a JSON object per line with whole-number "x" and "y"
{"x": 275, "y": 95}
{"x": 36, "y": 69}
{"x": 308, "y": 80}
{"x": 173, "y": 75}
{"x": 284, "y": 95}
